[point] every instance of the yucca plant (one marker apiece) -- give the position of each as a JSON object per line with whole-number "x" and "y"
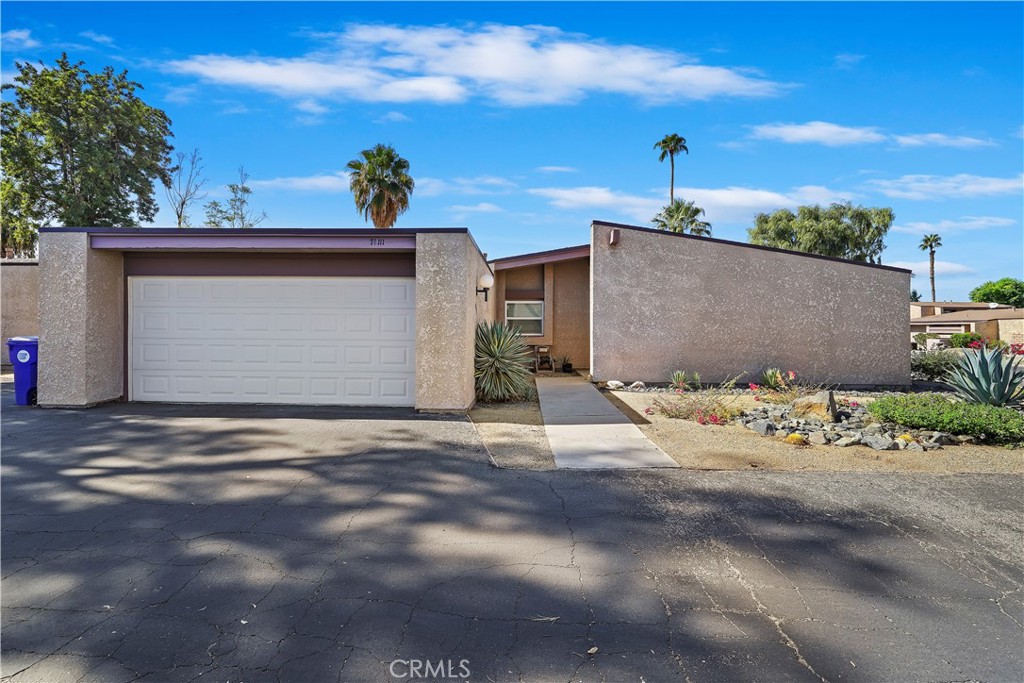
{"x": 988, "y": 376}
{"x": 773, "y": 379}
{"x": 681, "y": 381}
{"x": 501, "y": 363}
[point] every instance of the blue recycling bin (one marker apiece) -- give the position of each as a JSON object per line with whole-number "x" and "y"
{"x": 24, "y": 354}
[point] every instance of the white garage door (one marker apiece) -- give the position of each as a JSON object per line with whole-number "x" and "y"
{"x": 316, "y": 340}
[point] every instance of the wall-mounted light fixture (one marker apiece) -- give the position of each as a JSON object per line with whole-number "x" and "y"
{"x": 484, "y": 284}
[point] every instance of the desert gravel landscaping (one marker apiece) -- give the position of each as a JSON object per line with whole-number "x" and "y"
{"x": 732, "y": 447}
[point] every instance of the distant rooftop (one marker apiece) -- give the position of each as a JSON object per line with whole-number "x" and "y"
{"x": 971, "y": 316}
{"x": 963, "y": 305}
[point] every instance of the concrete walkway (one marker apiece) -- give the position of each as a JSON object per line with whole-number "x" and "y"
{"x": 587, "y": 432}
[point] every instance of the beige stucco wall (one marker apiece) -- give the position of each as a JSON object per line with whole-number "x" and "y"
{"x": 81, "y": 311}
{"x": 663, "y": 302}
{"x": 571, "y": 311}
{"x": 19, "y": 301}
{"x": 448, "y": 308}
{"x": 1012, "y": 331}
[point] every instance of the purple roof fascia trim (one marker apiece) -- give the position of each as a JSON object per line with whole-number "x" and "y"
{"x": 564, "y": 254}
{"x": 251, "y": 241}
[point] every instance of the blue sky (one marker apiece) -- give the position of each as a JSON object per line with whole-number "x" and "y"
{"x": 525, "y": 121}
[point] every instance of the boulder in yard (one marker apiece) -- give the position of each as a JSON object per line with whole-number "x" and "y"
{"x": 763, "y": 427}
{"x": 854, "y": 440}
{"x": 817, "y": 438}
{"x": 637, "y": 386}
{"x": 615, "y": 385}
{"x": 880, "y": 442}
{"x": 822, "y": 406}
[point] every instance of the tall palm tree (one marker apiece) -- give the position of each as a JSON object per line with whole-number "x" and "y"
{"x": 381, "y": 184}
{"x": 671, "y": 145}
{"x": 930, "y": 243}
{"x": 682, "y": 216}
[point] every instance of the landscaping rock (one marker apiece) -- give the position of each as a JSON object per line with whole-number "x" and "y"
{"x": 637, "y": 386}
{"x": 914, "y": 446}
{"x": 796, "y": 439}
{"x": 615, "y": 385}
{"x": 880, "y": 442}
{"x": 965, "y": 439}
{"x": 818, "y": 438}
{"x": 763, "y": 427}
{"x": 822, "y": 406}
{"x": 854, "y": 440}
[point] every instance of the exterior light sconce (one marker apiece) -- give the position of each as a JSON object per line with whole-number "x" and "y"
{"x": 613, "y": 237}
{"x": 484, "y": 284}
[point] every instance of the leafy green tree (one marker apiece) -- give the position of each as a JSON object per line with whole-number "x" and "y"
{"x": 381, "y": 185}
{"x": 840, "y": 230}
{"x": 930, "y": 243}
{"x": 671, "y": 145}
{"x": 237, "y": 213}
{"x": 79, "y": 149}
{"x": 684, "y": 217}
{"x": 18, "y": 221}
{"x": 1008, "y": 290}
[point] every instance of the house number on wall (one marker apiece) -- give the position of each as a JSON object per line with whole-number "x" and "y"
{"x": 376, "y": 241}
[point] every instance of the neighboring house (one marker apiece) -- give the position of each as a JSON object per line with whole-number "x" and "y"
{"x": 19, "y": 301}
{"x": 388, "y": 317}
{"x": 920, "y": 309}
{"x": 998, "y": 322}
{"x": 638, "y": 303}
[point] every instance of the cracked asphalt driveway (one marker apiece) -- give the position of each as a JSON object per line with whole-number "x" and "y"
{"x": 145, "y": 543}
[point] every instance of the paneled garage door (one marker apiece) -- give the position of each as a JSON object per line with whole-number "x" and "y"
{"x": 317, "y": 340}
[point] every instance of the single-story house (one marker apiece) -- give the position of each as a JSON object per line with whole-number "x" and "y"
{"x": 998, "y": 322}
{"x": 921, "y": 309}
{"x": 371, "y": 317}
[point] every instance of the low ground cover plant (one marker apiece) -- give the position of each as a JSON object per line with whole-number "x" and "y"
{"x": 501, "y": 364}
{"x": 988, "y": 376}
{"x": 704, "y": 405}
{"x": 782, "y": 387}
{"x": 933, "y": 365}
{"x": 943, "y": 414}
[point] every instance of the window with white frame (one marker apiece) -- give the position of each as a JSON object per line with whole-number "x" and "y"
{"x": 528, "y": 316}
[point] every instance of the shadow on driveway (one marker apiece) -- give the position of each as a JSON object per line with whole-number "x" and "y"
{"x": 164, "y": 543}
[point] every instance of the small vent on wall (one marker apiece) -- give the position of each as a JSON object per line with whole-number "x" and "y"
{"x": 613, "y": 237}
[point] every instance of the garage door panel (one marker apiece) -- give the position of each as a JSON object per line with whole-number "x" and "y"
{"x": 273, "y": 340}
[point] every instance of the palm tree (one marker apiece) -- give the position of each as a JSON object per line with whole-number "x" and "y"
{"x": 930, "y": 243}
{"x": 684, "y": 217}
{"x": 381, "y": 184}
{"x": 671, "y": 145}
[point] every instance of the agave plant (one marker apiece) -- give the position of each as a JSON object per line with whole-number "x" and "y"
{"x": 988, "y": 376}
{"x": 773, "y": 379}
{"x": 501, "y": 363}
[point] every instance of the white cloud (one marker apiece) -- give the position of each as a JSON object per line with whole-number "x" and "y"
{"x": 97, "y": 37}
{"x": 510, "y": 65}
{"x": 327, "y": 182}
{"x": 946, "y": 226}
{"x": 482, "y": 207}
{"x": 941, "y": 140}
{"x": 556, "y": 169}
{"x": 819, "y": 132}
{"x": 478, "y": 185}
{"x": 392, "y": 117}
{"x": 847, "y": 60}
{"x": 180, "y": 94}
{"x": 727, "y": 204}
{"x": 939, "y": 187}
{"x": 18, "y": 39}
{"x": 309, "y": 106}
{"x": 941, "y": 267}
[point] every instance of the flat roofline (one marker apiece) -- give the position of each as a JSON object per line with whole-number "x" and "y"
{"x": 539, "y": 257}
{"x": 966, "y": 304}
{"x": 258, "y": 232}
{"x": 745, "y": 245}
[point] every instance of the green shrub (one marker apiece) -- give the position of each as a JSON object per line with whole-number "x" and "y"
{"x": 501, "y": 363}
{"x": 773, "y": 379}
{"x": 961, "y": 340}
{"x": 988, "y": 376}
{"x": 680, "y": 381}
{"x": 921, "y": 338}
{"x": 939, "y": 413}
{"x": 933, "y": 365}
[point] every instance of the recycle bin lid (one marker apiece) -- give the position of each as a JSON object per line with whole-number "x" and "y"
{"x": 23, "y": 339}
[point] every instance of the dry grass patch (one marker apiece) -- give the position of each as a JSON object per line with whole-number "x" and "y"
{"x": 514, "y": 435}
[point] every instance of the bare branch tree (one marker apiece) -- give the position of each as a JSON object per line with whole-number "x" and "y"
{"x": 237, "y": 213}
{"x": 185, "y": 184}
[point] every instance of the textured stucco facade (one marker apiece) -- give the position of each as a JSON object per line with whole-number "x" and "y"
{"x": 19, "y": 308}
{"x": 448, "y": 308}
{"x": 1011, "y": 331}
{"x": 662, "y": 302}
{"x": 81, "y": 340}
